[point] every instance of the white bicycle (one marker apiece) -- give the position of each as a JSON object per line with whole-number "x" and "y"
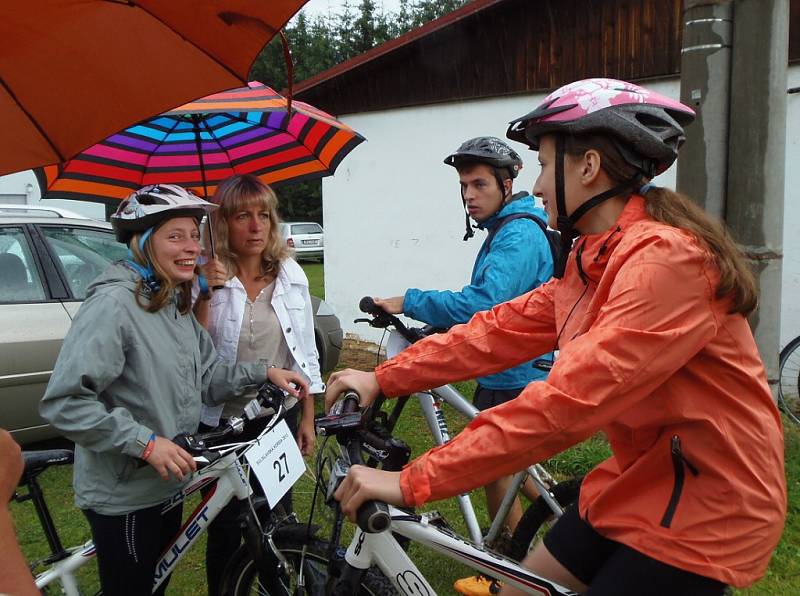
{"x": 374, "y": 543}
{"x": 553, "y": 495}
{"x": 279, "y": 555}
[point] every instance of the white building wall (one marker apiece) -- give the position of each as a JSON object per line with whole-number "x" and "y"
{"x": 790, "y": 292}
{"x": 393, "y": 216}
{"x": 22, "y": 187}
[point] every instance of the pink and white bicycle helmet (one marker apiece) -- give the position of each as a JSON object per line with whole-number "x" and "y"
{"x": 154, "y": 203}
{"x": 646, "y": 128}
{"x": 650, "y": 125}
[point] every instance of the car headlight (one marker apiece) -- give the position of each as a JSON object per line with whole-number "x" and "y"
{"x": 324, "y": 309}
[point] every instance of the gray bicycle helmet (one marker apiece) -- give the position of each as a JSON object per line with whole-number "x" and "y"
{"x": 152, "y": 204}
{"x": 488, "y": 150}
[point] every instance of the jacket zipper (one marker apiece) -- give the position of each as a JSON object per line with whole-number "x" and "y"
{"x": 678, "y": 464}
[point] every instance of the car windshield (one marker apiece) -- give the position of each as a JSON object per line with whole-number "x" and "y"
{"x": 307, "y": 228}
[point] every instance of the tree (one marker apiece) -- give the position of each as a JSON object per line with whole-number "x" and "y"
{"x": 322, "y": 42}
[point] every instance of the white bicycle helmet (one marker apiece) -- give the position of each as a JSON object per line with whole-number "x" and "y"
{"x": 153, "y": 204}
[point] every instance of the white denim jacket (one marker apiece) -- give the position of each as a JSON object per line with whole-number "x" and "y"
{"x": 292, "y": 303}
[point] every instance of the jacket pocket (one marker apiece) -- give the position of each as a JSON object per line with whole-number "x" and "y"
{"x": 679, "y": 465}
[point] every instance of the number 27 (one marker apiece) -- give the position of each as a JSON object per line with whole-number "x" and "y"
{"x": 283, "y": 470}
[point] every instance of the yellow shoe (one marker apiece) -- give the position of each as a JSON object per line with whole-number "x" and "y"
{"x": 477, "y": 585}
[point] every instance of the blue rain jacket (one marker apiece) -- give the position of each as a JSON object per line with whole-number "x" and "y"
{"x": 517, "y": 261}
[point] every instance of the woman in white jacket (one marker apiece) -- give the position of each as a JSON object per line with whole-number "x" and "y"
{"x": 260, "y": 311}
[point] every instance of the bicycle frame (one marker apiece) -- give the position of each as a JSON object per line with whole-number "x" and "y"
{"x": 384, "y": 551}
{"x": 225, "y": 478}
{"x": 231, "y": 483}
{"x": 431, "y": 402}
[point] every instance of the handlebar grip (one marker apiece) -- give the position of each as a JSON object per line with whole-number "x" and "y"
{"x": 373, "y": 517}
{"x": 350, "y": 402}
{"x": 367, "y": 305}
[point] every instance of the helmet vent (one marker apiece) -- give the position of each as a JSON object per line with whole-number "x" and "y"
{"x": 652, "y": 122}
{"x": 150, "y": 199}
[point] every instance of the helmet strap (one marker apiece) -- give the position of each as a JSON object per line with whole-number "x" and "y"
{"x": 145, "y": 272}
{"x": 564, "y": 222}
{"x": 469, "y": 233}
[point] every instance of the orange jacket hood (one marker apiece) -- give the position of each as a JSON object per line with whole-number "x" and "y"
{"x": 650, "y": 356}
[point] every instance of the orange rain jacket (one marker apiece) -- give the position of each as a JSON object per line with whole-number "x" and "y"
{"x": 651, "y": 357}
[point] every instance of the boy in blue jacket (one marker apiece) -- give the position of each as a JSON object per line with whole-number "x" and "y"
{"x": 515, "y": 258}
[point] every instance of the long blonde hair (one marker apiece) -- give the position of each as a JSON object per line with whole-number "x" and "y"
{"x": 157, "y": 300}
{"x": 236, "y": 193}
{"x": 674, "y": 209}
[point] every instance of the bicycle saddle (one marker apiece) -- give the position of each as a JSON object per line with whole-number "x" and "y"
{"x": 38, "y": 461}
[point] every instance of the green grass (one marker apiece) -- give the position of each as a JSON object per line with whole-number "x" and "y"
{"x": 782, "y": 578}
{"x": 316, "y": 279}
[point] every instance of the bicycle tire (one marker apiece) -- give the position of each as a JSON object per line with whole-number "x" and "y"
{"x": 529, "y": 529}
{"x": 789, "y": 385}
{"x": 241, "y": 575}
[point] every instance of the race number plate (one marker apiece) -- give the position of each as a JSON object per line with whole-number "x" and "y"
{"x": 276, "y": 461}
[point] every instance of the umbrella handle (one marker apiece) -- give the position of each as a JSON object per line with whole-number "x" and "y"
{"x": 211, "y": 244}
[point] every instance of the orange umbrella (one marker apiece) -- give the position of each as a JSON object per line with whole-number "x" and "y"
{"x": 73, "y": 72}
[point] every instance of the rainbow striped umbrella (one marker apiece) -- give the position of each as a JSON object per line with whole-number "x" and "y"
{"x": 242, "y": 131}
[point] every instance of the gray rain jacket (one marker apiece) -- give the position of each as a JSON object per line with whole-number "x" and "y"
{"x": 123, "y": 374}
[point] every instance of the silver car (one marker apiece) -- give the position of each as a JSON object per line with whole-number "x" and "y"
{"x": 46, "y": 266}
{"x": 307, "y": 238}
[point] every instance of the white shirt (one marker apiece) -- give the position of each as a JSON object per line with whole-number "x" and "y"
{"x": 292, "y": 303}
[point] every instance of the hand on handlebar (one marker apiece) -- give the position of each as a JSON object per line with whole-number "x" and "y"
{"x": 363, "y": 383}
{"x": 167, "y": 458}
{"x": 394, "y": 305}
{"x": 284, "y": 378}
{"x": 364, "y": 484}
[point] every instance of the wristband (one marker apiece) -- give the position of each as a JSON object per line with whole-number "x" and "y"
{"x": 148, "y": 449}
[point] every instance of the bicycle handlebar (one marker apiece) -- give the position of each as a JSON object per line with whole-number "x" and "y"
{"x": 382, "y": 319}
{"x": 349, "y": 426}
{"x": 269, "y": 395}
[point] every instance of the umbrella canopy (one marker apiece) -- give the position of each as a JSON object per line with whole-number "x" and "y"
{"x": 242, "y": 131}
{"x": 73, "y": 72}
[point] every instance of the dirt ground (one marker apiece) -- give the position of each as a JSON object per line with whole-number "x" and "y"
{"x": 358, "y": 354}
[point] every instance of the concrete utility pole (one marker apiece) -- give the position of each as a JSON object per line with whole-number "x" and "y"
{"x": 757, "y": 157}
{"x": 705, "y": 86}
{"x": 734, "y": 73}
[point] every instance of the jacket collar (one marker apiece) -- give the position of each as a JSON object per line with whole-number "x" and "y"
{"x": 287, "y": 275}
{"x": 516, "y": 204}
{"x": 592, "y": 252}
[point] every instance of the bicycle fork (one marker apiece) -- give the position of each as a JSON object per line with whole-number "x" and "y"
{"x": 432, "y": 409}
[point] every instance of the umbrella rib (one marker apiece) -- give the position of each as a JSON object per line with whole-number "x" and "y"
{"x": 159, "y": 144}
{"x": 214, "y": 138}
{"x": 201, "y": 50}
{"x": 33, "y": 121}
{"x": 288, "y": 121}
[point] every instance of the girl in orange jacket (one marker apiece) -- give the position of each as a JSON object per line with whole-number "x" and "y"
{"x": 648, "y": 311}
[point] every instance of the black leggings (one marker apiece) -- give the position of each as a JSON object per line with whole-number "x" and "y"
{"x": 224, "y": 533}
{"x": 129, "y": 546}
{"x": 613, "y": 569}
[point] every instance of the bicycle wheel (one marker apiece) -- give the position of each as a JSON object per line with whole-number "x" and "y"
{"x": 788, "y": 392}
{"x": 538, "y": 518}
{"x": 241, "y": 575}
